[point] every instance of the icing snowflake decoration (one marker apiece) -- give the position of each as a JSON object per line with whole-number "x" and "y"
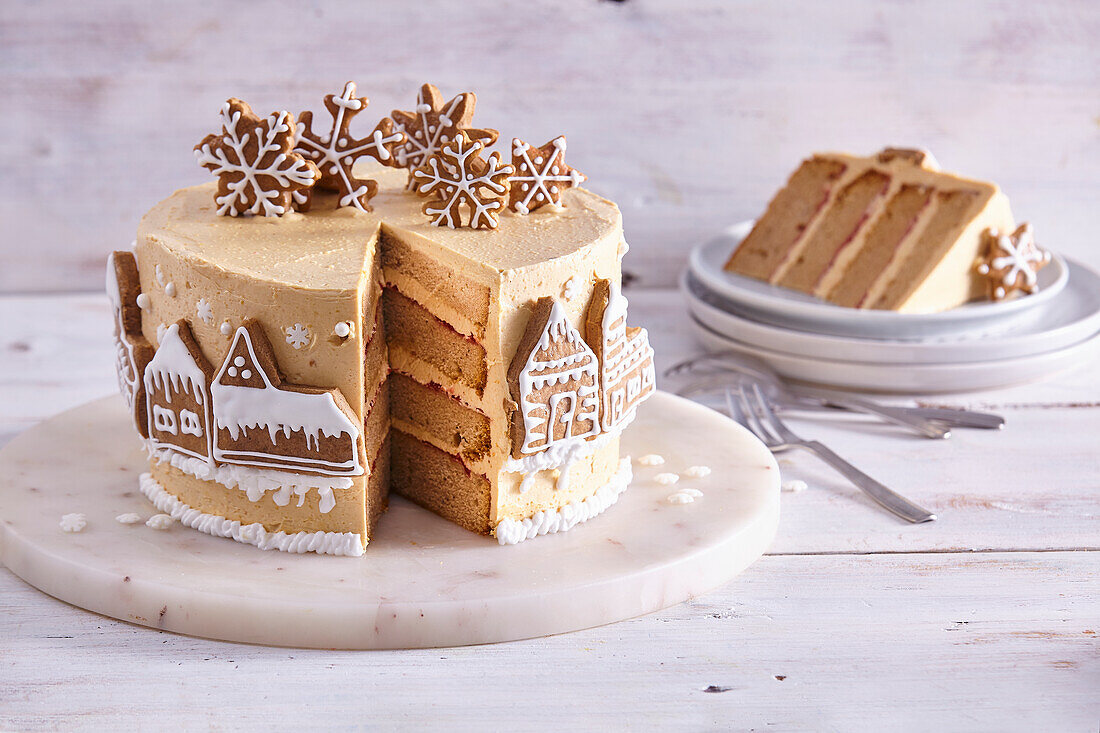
{"x": 457, "y": 178}
{"x": 254, "y": 160}
{"x": 432, "y": 125}
{"x": 541, "y": 175}
{"x": 297, "y": 335}
{"x": 336, "y": 152}
{"x": 1012, "y": 262}
{"x": 569, "y": 289}
{"x": 204, "y": 311}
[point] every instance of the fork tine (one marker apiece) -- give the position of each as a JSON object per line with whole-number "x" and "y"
{"x": 738, "y": 413}
{"x": 768, "y": 415}
{"x": 735, "y": 410}
{"x": 760, "y": 427}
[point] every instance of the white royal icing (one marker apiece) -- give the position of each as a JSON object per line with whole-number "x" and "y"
{"x": 297, "y": 335}
{"x": 160, "y": 522}
{"x": 511, "y": 531}
{"x": 173, "y": 371}
{"x": 697, "y": 471}
{"x": 424, "y": 140}
{"x": 238, "y": 408}
{"x": 125, "y": 361}
{"x": 128, "y": 518}
{"x": 298, "y": 172}
{"x": 666, "y": 479}
{"x": 343, "y": 329}
{"x": 651, "y": 459}
{"x": 328, "y": 154}
{"x": 326, "y": 543}
{"x": 226, "y": 328}
{"x": 203, "y": 310}
{"x": 622, "y": 355}
{"x": 539, "y": 177}
{"x": 451, "y": 174}
{"x": 1022, "y": 257}
{"x": 794, "y": 486}
{"x": 575, "y": 402}
{"x": 257, "y": 482}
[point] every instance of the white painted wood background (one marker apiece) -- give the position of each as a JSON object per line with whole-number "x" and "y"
{"x": 689, "y": 114}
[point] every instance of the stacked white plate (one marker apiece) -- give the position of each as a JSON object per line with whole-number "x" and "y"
{"x": 976, "y": 346}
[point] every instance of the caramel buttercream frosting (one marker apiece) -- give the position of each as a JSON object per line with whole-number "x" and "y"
{"x": 414, "y": 325}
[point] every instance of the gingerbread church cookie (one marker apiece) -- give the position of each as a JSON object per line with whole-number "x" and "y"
{"x": 259, "y": 421}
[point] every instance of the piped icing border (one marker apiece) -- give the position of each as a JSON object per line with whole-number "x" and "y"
{"x": 324, "y": 543}
{"x": 256, "y": 482}
{"x": 512, "y": 532}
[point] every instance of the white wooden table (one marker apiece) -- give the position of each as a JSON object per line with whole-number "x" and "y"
{"x": 985, "y": 620}
{"x": 688, "y": 113}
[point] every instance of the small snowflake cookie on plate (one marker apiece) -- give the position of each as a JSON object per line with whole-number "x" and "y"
{"x": 1012, "y": 262}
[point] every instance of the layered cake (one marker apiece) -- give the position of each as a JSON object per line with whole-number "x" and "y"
{"x": 891, "y": 231}
{"x": 314, "y": 330}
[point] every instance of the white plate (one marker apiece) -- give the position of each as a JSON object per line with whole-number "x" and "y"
{"x": 793, "y": 309}
{"x": 423, "y": 581}
{"x": 909, "y": 378}
{"x": 1070, "y": 317}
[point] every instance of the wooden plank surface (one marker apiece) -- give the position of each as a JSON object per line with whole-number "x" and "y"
{"x": 984, "y": 620}
{"x": 689, "y": 114}
{"x": 975, "y": 642}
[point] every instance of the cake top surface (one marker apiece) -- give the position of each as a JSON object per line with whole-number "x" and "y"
{"x": 916, "y": 166}
{"x": 326, "y": 247}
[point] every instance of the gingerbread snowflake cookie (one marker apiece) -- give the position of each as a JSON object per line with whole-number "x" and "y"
{"x": 541, "y": 175}
{"x": 258, "y": 171}
{"x": 432, "y": 125}
{"x": 336, "y": 151}
{"x": 464, "y": 189}
{"x": 1011, "y": 262}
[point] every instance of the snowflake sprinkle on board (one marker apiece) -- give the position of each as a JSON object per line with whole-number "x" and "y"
{"x": 541, "y": 175}
{"x": 258, "y": 171}
{"x": 336, "y": 151}
{"x": 1012, "y": 262}
{"x": 432, "y": 125}
{"x": 458, "y": 179}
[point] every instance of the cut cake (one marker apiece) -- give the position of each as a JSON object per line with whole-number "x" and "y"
{"x": 890, "y": 231}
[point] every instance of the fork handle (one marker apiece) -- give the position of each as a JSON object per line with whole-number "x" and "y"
{"x": 899, "y": 416}
{"x": 888, "y": 499}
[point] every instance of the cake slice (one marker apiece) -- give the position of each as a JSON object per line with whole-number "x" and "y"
{"x": 889, "y": 232}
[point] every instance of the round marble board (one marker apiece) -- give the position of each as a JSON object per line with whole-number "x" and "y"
{"x": 423, "y": 582}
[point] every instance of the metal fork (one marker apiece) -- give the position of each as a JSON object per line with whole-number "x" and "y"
{"x": 751, "y": 409}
